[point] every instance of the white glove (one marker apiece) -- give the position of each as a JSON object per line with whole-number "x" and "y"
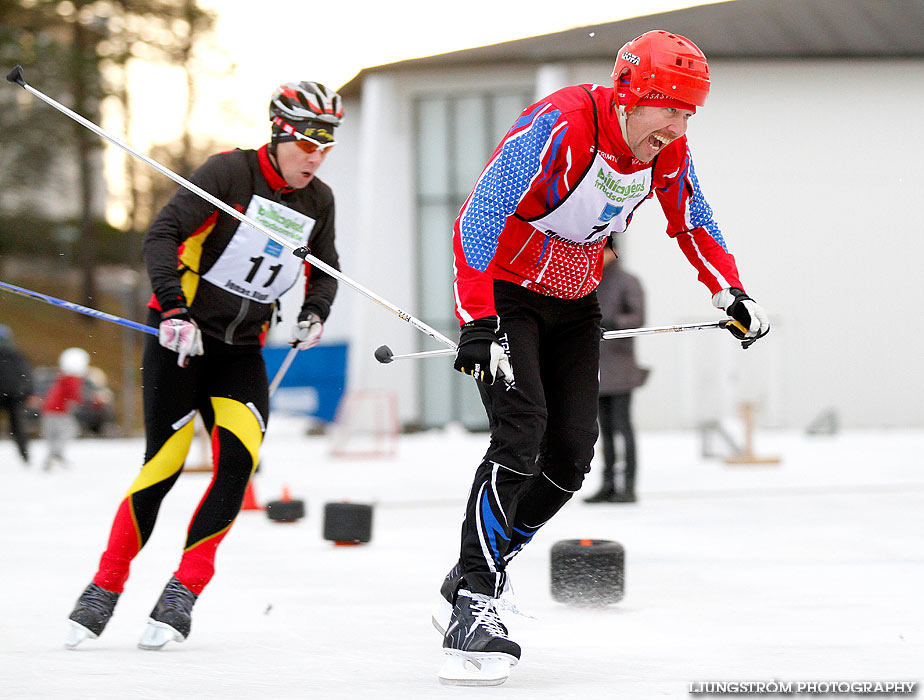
{"x": 747, "y": 312}
{"x": 500, "y": 364}
{"x": 307, "y": 333}
{"x": 183, "y": 337}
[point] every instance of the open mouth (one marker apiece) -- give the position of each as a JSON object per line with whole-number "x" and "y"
{"x": 657, "y": 142}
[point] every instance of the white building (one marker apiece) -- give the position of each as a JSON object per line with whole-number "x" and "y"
{"x": 809, "y": 150}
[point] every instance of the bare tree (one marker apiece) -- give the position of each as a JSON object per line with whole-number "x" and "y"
{"x": 79, "y": 52}
{"x": 172, "y": 33}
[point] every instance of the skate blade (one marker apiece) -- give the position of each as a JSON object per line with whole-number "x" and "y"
{"x": 441, "y": 616}
{"x": 475, "y": 668}
{"x": 76, "y": 634}
{"x": 157, "y": 634}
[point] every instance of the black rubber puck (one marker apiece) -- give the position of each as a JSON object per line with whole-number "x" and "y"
{"x": 347, "y": 523}
{"x": 588, "y": 572}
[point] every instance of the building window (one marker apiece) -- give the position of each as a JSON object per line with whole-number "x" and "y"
{"x": 455, "y": 135}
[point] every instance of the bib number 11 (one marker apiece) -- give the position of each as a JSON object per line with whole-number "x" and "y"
{"x": 257, "y": 262}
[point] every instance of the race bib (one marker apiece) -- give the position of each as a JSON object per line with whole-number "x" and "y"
{"x": 255, "y": 266}
{"x": 599, "y": 206}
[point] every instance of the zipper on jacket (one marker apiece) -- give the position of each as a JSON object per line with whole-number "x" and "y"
{"x": 241, "y": 315}
{"x": 528, "y": 239}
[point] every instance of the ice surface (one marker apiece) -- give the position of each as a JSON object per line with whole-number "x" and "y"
{"x": 810, "y": 570}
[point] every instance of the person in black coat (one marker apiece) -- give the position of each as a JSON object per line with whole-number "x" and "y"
{"x": 622, "y": 302}
{"x": 16, "y": 388}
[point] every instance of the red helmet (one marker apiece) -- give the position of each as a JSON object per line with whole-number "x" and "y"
{"x": 664, "y": 63}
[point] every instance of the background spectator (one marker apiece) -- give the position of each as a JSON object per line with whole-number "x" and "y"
{"x": 16, "y": 389}
{"x": 622, "y": 303}
{"x": 59, "y": 425}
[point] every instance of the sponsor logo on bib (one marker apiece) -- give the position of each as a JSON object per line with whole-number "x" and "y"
{"x": 619, "y": 190}
{"x": 609, "y": 211}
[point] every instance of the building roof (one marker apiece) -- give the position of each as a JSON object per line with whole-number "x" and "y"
{"x": 731, "y": 29}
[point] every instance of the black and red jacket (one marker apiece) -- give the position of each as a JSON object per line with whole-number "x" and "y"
{"x": 189, "y": 235}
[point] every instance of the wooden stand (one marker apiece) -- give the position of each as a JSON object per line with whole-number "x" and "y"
{"x": 747, "y": 456}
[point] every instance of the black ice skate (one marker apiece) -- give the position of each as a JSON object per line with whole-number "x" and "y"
{"x": 448, "y": 589}
{"x": 92, "y": 612}
{"x": 448, "y": 592}
{"x": 477, "y": 648}
{"x": 171, "y": 618}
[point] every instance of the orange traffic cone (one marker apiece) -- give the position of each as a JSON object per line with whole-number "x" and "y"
{"x": 286, "y": 496}
{"x": 250, "y": 498}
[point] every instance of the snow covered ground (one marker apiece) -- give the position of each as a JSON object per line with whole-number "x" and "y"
{"x": 809, "y": 570}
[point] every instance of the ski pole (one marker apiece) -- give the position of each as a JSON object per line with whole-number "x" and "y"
{"x": 283, "y": 368}
{"x": 277, "y": 379}
{"x": 384, "y": 354}
{"x": 632, "y": 332}
{"x": 16, "y": 76}
{"x": 78, "y": 308}
{"x": 301, "y": 334}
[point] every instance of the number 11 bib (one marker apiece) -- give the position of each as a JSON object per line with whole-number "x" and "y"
{"x": 256, "y": 267}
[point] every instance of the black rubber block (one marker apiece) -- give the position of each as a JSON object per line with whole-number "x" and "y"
{"x": 286, "y": 511}
{"x": 588, "y": 572}
{"x": 348, "y": 522}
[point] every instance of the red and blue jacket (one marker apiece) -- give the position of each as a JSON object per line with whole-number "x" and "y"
{"x": 541, "y": 160}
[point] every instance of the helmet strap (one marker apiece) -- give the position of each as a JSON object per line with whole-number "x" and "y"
{"x": 621, "y": 118}
{"x": 273, "y": 158}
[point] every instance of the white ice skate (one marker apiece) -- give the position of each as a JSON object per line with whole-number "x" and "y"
{"x": 76, "y": 634}
{"x": 171, "y": 618}
{"x": 475, "y": 668}
{"x": 157, "y": 634}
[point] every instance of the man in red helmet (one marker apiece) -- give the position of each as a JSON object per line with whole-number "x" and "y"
{"x": 528, "y": 247}
{"x": 216, "y": 282}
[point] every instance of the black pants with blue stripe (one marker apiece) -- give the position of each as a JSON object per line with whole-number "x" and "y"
{"x": 543, "y": 428}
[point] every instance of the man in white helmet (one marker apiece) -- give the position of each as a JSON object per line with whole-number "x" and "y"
{"x": 216, "y": 282}
{"x": 528, "y": 253}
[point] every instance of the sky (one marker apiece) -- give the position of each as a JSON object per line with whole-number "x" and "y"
{"x": 279, "y": 44}
{"x": 276, "y": 45}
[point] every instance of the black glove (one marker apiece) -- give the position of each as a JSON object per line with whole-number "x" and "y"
{"x": 480, "y": 355}
{"x": 753, "y": 320}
